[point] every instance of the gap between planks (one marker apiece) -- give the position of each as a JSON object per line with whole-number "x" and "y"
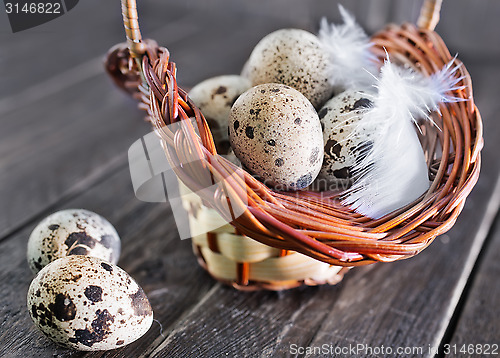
{"x": 103, "y": 172}
{"x": 86, "y": 70}
{"x": 160, "y": 342}
{"x": 78, "y": 74}
{"x": 178, "y": 30}
{"x": 460, "y": 293}
{"x": 477, "y": 324}
{"x": 483, "y": 238}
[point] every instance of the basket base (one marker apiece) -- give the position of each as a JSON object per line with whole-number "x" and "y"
{"x": 242, "y": 284}
{"x": 246, "y": 264}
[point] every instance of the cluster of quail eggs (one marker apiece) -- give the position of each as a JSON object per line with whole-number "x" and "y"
{"x": 79, "y": 298}
{"x": 280, "y": 117}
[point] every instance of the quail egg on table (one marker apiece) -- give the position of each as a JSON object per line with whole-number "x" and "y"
{"x": 86, "y": 303}
{"x": 295, "y": 58}
{"x": 275, "y": 132}
{"x": 214, "y": 97}
{"x": 72, "y": 232}
{"x": 338, "y": 117}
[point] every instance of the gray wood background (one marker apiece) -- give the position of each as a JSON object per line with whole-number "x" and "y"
{"x": 64, "y": 135}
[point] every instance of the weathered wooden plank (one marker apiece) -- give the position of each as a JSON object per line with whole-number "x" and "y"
{"x": 467, "y": 26}
{"x": 15, "y": 244}
{"x": 152, "y": 253}
{"x": 470, "y": 28}
{"x": 478, "y": 332}
{"x": 77, "y": 134}
{"x": 55, "y": 147}
{"x": 63, "y": 76}
{"x": 402, "y": 304}
{"x": 410, "y": 303}
{"x": 64, "y": 133}
{"x": 373, "y": 14}
{"x": 239, "y": 324}
{"x": 224, "y": 48}
{"x": 64, "y": 44}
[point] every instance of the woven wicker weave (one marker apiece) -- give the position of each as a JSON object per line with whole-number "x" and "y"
{"x": 313, "y": 224}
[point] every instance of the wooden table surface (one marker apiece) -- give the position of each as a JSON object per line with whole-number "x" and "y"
{"x": 64, "y": 135}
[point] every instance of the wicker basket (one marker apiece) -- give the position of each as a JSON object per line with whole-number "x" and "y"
{"x": 283, "y": 240}
{"x": 247, "y": 264}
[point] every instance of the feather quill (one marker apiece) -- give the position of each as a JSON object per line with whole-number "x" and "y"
{"x": 393, "y": 172}
{"x": 349, "y": 50}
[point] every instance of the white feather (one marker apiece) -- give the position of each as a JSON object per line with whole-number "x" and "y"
{"x": 349, "y": 50}
{"x": 394, "y": 172}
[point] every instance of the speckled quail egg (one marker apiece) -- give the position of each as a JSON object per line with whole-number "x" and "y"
{"x": 295, "y": 58}
{"x": 342, "y": 149}
{"x": 214, "y": 97}
{"x": 275, "y": 132}
{"x": 72, "y": 232}
{"x": 85, "y": 303}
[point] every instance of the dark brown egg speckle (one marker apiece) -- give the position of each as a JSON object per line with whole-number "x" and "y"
{"x": 93, "y": 293}
{"x": 106, "y": 266}
{"x": 102, "y": 307}
{"x": 63, "y": 307}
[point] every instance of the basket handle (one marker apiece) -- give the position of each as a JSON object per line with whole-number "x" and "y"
{"x": 136, "y": 46}
{"x": 429, "y": 14}
{"x": 428, "y": 19}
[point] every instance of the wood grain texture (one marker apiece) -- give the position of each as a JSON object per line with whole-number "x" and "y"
{"x": 458, "y": 26}
{"x": 81, "y": 133}
{"x": 477, "y": 320}
{"x": 478, "y": 323}
{"x": 64, "y": 125}
{"x": 401, "y": 304}
{"x": 69, "y": 41}
{"x": 64, "y": 145}
{"x": 232, "y": 37}
{"x": 56, "y": 147}
{"x": 152, "y": 253}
